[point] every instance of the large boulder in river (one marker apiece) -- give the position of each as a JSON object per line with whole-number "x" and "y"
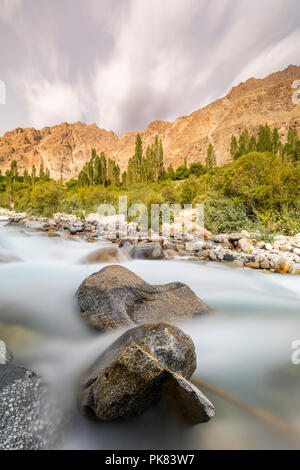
{"x": 26, "y": 415}
{"x": 116, "y": 297}
{"x": 145, "y": 364}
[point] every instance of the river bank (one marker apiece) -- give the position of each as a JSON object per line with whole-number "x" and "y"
{"x": 242, "y": 249}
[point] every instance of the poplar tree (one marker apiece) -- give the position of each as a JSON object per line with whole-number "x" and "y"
{"x": 210, "y": 161}
{"x": 233, "y": 147}
{"x": 33, "y": 174}
{"x": 264, "y": 143}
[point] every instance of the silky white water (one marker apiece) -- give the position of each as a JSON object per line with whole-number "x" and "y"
{"x": 244, "y": 348}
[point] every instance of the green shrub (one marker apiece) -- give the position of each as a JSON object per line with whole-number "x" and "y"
{"x": 225, "y": 215}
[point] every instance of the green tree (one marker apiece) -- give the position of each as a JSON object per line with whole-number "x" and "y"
{"x": 252, "y": 147}
{"x": 275, "y": 141}
{"x": 26, "y": 177}
{"x": 124, "y": 179}
{"x": 138, "y": 156}
{"x": 33, "y": 174}
{"x": 188, "y": 191}
{"x": 264, "y": 143}
{"x": 42, "y": 173}
{"x": 170, "y": 172}
{"x": 45, "y": 198}
{"x": 182, "y": 172}
{"x": 210, "y": 161}
{"x": 197, "y": 169}
{"x": 14, "y": 171}
{"x": 233, "y": 147}
{"x": 292, "y": 136}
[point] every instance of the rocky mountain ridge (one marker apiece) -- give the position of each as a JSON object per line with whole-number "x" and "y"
{"x": 65, "y": 148}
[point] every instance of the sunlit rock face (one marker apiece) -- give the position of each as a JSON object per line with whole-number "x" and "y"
{"x": 65, "y": 148}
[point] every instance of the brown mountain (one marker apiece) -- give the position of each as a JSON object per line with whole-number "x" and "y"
{"x": 66, "y": 147}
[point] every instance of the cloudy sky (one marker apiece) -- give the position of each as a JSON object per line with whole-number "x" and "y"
{"x": 125, "y": 63}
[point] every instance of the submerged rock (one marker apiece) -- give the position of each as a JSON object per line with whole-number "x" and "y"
{"x": 116, "y": 297}
{"x": 111, "y": 254}
{"x": 148, "y": 250}
{"x": 6, "y": 257}
{"x": 33, "y": 224}
{"x": 143, "y": 365}
{"x": 53, "y": 234}
{"x": 26, "y": 420}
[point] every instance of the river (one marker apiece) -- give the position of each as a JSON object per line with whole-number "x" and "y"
{"x": 243, "y": 349}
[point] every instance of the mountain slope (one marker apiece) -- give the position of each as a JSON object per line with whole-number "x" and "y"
{"x": 66, "y": 147}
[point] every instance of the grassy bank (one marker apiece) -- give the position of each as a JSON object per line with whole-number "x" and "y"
{"x": 256, "y": 191}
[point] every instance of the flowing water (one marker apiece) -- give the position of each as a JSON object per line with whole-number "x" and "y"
{"x": 243, "y": 349}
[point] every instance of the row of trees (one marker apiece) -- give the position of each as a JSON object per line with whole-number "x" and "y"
{"x": 148, "y": 167}
{"x": 12, "y": 181}
{"x": 99, "y": 171}
{"x": 267, "y": 141}
{"x": 142, "y": 167}
{"x": 103, "y": 171}
{"x": 12, "y": 175}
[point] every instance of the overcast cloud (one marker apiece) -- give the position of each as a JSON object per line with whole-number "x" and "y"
{"x": 125, "y": 63}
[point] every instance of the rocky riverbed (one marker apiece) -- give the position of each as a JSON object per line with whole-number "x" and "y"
{"x": 147, "y": 363}
{"x": 242, "y": 347}
{"x": 242, "y": 249}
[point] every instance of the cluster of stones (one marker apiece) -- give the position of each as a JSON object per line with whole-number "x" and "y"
{"x": 151, "y": 361}
{"x": 67, "y": 224}
{"x": 243, "y": 249}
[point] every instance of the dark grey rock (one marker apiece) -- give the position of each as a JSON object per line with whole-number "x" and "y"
{"x": 228, "y": 257}
{"x": 26, "y": 415}
{"x": 150, "y": 250}
{"x": 143, "y": 365}
{"x": 116, "y": 297}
